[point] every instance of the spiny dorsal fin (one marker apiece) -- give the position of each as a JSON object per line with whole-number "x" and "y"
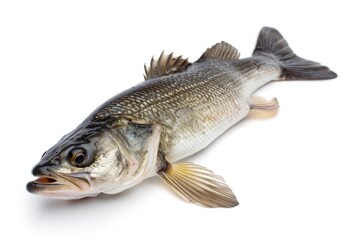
{"x": 221, "y": 50}
{"x": 166, "y": 64}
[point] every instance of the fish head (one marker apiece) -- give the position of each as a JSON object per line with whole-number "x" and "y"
{"x": 85, "y": 165}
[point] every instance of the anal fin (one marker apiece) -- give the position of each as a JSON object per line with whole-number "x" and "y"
{"x": 262, "y": 108}
{"x": 198, "y": 185}
{"x": 260, "y": 103}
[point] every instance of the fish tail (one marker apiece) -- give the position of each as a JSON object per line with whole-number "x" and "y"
{"x": 272, "y": 45}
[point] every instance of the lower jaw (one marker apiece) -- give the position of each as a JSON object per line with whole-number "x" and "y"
{"x": 57, "y": 191}
{"x": 34, "y": 187}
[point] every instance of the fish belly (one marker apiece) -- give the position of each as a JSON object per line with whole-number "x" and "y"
{"x": 200, "y": 133}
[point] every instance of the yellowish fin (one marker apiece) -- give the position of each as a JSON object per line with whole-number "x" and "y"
{"x": 260, "y": 103}
{"x": 262, "y": 108}
{"x": 198, "y": 185}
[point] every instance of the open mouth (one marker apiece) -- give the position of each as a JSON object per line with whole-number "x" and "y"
{"x": 44, "y": 183}
{"x": 45, "y": 180}
{"x": 57, "y": 182}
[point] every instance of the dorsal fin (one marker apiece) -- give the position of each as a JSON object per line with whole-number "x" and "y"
{"x": 221, "y": 50}
{"x": 166, "y": 64}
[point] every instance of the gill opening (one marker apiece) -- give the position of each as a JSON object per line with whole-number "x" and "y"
{"x": 139, "y": 169}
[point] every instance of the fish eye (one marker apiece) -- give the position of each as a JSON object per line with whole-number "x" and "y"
{"x": 79, "y": 157}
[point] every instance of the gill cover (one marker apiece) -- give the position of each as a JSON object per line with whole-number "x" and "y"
{"x": 139, "y": 145}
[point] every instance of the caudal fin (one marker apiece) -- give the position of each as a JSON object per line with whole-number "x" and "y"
{"x": 271, "y": 44}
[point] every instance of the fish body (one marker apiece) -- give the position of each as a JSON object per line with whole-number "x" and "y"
{"x": 180, "y": 109}
{"x": 194, "y": 106}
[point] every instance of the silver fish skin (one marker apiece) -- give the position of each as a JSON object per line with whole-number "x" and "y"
{"x": 195, "y": 106}
{"x": 180, "y": 109}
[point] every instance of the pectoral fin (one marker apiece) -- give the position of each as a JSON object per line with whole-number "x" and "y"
{"x": 198, "y": 185}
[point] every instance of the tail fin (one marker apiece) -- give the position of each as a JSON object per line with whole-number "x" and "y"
{"x": 271, "y": 44}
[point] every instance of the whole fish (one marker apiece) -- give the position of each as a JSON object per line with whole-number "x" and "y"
{"x": 180, "y": 109}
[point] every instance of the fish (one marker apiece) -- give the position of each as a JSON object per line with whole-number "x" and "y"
{"x": 178, "y": 110}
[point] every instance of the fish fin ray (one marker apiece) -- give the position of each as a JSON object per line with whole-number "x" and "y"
{"x": 271, "y": 44}
{"x": 166, "y": 64}
{"x": 221, "y": 50}
{"x": 198, "y": 185}
{"x": 260, "y": 103}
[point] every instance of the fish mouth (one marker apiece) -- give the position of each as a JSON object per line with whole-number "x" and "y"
{"x": 59, "y": 185}
{"x": 44, "y": 180}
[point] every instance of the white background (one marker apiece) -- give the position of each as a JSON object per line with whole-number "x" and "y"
{"x": 296, "y": 175}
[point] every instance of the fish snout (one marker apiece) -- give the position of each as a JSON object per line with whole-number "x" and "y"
{"x": 40, "y": 171}
{"x": 45, "y": 175}
{"x": 42, "y": 168}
